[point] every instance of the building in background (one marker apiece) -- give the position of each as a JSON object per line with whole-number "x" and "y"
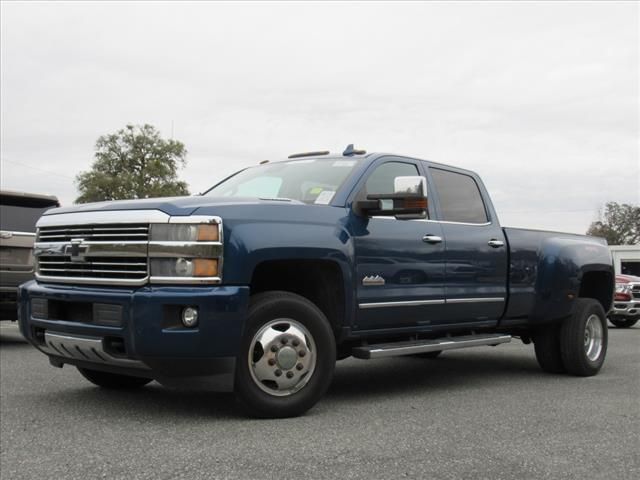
{"x": 626, "y": 259}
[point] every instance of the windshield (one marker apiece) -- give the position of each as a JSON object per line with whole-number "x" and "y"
{"x": 19, "y": 219}
{"x": 309, "y": 181}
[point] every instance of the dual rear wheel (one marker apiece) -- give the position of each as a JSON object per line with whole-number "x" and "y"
{"x": 578, "y": 345}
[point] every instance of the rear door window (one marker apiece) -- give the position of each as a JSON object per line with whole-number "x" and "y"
{"x": 460, "y": 198}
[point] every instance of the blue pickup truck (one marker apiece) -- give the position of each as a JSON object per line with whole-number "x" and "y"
{"x": 261, "y": 283}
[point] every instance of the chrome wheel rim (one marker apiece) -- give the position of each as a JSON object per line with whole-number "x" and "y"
{"x": 282, "y": 357}
{"x": 593, "y": 338}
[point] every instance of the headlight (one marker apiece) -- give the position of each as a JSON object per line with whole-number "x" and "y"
{"x": 623, "y": 288}
{"x": 186, "y": 250}
{"x": 167, "y": 232}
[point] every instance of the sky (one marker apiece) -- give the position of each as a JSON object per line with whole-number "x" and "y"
{"x": 540, "y": 98}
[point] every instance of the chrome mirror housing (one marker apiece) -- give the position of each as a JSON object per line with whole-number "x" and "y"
{"x": 415, "y": 185}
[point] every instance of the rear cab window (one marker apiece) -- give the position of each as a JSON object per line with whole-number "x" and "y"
{"x": 459, "y": 197}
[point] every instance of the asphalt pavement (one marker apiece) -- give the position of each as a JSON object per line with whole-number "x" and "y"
{"x": 487, "y": 412}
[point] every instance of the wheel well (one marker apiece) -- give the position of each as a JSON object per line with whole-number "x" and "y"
{"x": 599, "y": 286}
{"x": 319, "y": 281}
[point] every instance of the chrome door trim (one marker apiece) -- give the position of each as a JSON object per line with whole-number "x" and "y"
{"x": 410, "y": 303}
{"x": 428, "y": 220}
{"x": 416, "y": 303}
{"x": 475, "y": 300}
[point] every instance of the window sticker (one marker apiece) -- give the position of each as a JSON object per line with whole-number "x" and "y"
{"x": 344, "y": 163}
{"x": 325, "y": 197}
{"x": 300, "y": 162}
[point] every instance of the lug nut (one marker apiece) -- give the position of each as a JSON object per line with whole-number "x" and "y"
{"x": 289, "y": 374}
{"x": 271, "y": 361}
{"x": 278, "y": 373}
{"x": 274, "y": 348}
{"x": 302, "y": 353}
{"x": 295, "y": 342}
{"x": 284, "y": 340}
{"x": 299, "y": 366}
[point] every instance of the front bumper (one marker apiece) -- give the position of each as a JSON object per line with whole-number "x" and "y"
{"x": 140, "y": 334}
{"x": 626, "y": 309}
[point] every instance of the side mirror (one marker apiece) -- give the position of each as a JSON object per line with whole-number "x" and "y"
{"x": 414, "y": 185}
{"x": 409, "y": 200}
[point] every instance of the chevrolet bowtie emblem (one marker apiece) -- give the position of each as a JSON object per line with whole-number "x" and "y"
{"x": 76, "y": 250}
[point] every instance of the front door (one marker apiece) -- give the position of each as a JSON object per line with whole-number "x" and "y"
{"x": 399, "y": 263}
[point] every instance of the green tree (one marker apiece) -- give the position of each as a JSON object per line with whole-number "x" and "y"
{"x": 620, "y": 224}
{"x": 134, "y": 162}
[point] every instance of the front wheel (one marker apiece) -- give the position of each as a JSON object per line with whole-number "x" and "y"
{"x": 113, "y": 380}
{"x": 583, "y": 338}
{"x": 287, "y": 357}
{"x": 624, "y": 322}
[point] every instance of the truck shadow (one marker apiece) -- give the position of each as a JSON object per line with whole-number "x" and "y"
{"x": 411, "y": 375}
{"x": 355, "y": 382}
{"x": 10, "y": 337}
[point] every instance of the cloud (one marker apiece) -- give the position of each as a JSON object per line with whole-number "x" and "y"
{"x": 540, "y": 98}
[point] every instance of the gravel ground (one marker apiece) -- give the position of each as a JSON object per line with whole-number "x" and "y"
{"x": 480, "y": 413}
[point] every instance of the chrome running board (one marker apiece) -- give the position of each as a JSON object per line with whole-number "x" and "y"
{"x": 411, "y": 347}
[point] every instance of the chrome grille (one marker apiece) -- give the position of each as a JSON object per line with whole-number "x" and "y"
{"x": 635, "y": 291}
{"x": 128, "y": 268}
{"x": 98, "y": 233}
{"x": 113, "y": 247}
{"x": 93, "y": 253}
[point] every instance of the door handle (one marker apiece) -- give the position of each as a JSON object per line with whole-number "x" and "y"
{"x": 431, "y": 239}
{"x": 495, "y": 243}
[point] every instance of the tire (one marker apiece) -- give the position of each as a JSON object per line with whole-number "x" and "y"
{"x": 430, "y": 355}
{"x": 583, "y": 338}
{"x": 624, "y": 322}
{"x": 546, "y": 342}
{"x": 284, "y": 371}
{"x": 113, "y": 381}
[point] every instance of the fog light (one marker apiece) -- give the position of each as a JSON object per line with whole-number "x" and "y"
{"x": 190, "y": 317}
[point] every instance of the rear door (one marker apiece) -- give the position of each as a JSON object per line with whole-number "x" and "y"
{"x": 476, "y": 251}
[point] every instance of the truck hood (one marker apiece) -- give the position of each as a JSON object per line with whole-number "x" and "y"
{"x": 174, "y": 206}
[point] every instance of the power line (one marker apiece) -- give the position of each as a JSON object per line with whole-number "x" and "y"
{"x": 48, "y": 172}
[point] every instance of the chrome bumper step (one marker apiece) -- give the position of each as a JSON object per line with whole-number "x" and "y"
{"x": 411, "y": 347}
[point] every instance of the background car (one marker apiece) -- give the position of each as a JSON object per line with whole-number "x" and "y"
{"x": 626, "y": 305}
{"x": 19, "y": 212}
